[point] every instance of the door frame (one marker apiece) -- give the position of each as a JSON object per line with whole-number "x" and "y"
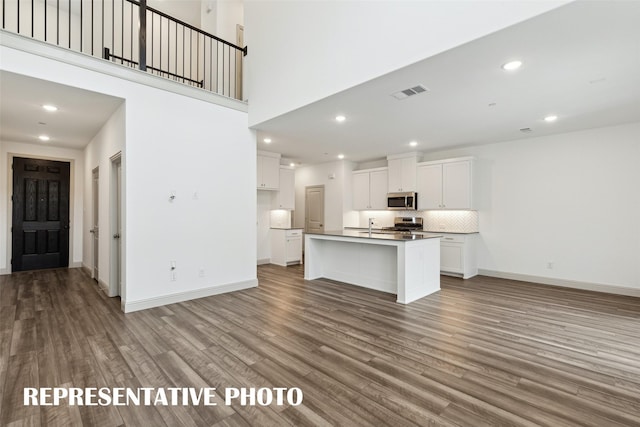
{"x": 116, "y": 212}
{"x": 9, "y": 209}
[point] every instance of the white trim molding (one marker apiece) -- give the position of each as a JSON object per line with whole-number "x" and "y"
{"x": 264, "y": 261}
{"x": 585, "y": 286}
{"x": 131, "y": 306}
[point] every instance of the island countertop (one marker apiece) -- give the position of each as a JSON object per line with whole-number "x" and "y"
{"x": 379, "y": 235}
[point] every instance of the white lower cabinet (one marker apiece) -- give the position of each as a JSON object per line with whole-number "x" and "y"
{"x": 286, "y": 246}
{"x": 458, "y": 255}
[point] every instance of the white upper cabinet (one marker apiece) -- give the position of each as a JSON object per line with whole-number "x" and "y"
{"x": 445, "y": 184}
{"x": 456, "y": 185}
{"x": 402, "y": 173}
{"x": 429, "y": 185}
{"x": 370, "y": 189}
{"x": 268, "y": 171}
{"x": 285, "y": 197}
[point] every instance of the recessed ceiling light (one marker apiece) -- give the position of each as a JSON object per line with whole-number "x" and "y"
{"x": 43, "y": 138}
{"x": 513, "y": 65}
{"x": 292, "y": 164}
{"x": 413, "y": 143}
{"x": 267, "y": 140}
{"x": 341, "y": 156}
{"x": 550, "y": 119}
{"x": 50, "y": 107}
{"x": 340, "y": 118}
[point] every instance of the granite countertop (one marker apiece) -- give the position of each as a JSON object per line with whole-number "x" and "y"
{"x": 416, "y": 232}
{"x": 379, "y": 235}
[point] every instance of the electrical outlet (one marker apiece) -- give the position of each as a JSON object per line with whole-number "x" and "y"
{"x": 201, "y": 272}
{"x": 173, "y": 276}
{"x": 550, "y": 265}
{"x": 172, "y": 265}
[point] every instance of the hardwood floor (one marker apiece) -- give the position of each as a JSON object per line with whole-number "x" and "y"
{"x": 481, "y": 352}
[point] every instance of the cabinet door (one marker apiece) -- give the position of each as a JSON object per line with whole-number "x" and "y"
{"x": 395, "y": 175}
{"x": 270, "y": 173}
{"x": 378, "y": 182}
{"x": 360, "y": 191}
{"x": 408, "y": 174}
{"x": 451, "y": 257}
{"x": 429, "y": 187}
{"x": 456, "y": 185}
{"x": 286, "y": 194}
{"x": 294, "y": 249}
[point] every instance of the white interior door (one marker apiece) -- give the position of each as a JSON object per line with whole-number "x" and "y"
{"x": 115, "y": 287}
{"x": 95, "y": 230}
{"x": 314, "y": 209}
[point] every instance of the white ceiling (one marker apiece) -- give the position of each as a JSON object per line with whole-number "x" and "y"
{"x": 581, "y": 63}
{"x": 81, "y": 113}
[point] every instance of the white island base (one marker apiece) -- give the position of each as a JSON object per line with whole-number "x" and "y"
{"x": 408, "y": 268}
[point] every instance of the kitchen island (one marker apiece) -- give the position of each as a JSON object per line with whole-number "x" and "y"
{"x": 405, "y": 265}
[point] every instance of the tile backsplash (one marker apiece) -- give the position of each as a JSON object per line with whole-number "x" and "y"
{"x": 280, "y": 219}
{"x": 451, "y": 221}
{"x": 443, "y": 221}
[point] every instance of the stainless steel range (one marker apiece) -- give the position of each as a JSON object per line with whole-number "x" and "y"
{"x": 405, "y": 225}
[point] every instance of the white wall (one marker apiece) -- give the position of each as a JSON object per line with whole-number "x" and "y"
{"x": 263, "y": 225}
{"x": 182, "y": 145}
{"x": 109, "y": 141}
{"x": 337, "y": 192}
{"x": 8, "y": 150}
{"x": 229, "y": 14}
{"x": 571, "y": 199}
{"x": 301, "y": 52}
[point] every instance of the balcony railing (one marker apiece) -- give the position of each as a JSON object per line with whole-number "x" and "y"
{"x": 130, "y": 33}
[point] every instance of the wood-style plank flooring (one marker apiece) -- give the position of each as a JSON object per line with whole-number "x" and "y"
{"x": 481, "y": 352}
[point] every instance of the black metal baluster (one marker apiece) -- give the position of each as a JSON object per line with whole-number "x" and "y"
{"x": 168, "y": 46}
{"x": 18, "y": 17}
{"x": 122, "y": 30}
{"x": 152, "y": 39}
{"x": 229, "y": 72}
{"x": 183, "y": 70}
{"x": 92, "y": 29}
{"x": 204, "y": 59}
{"x": 4, "y": 12}
{"x": 190, "y": 53}
{"x": 113, "y": 27}
{"x": 160, "y": 47}
{"x": 217, "y": 64}
{"x": 45, "y": 19}
{"x": 81, "y": 19}
{"x": 131, "y": 30}
{"x": 211, "y": 74}
{"x": 176, "y": 56}
{"x": 58, "y": 22}
{"x": 32, "y": 17}
{"x": 69, "y": 22}
{"x": 142, "y": 36}
{"x": 198, "y": 57}
{"x": 102, "y": 19}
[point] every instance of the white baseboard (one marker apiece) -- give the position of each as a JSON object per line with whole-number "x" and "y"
{"x": 131, "y": 306}
{"x": 75, "y": 265}
{"x": 86, "y": 269}
{"x": 4, "y": 271}
{"x": 585, "y": 286}
{"x": 103, "y": 286}
{"x": 264, "y": 261}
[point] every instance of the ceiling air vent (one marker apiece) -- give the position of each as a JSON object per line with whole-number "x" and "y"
{"x": 526, "y": 130}
{"x": 404, "y": 94}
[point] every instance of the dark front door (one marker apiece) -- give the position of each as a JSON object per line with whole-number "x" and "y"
{"x": 40, "y": 214}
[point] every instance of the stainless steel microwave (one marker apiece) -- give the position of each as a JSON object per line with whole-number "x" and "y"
{"x": 407, "y": 201}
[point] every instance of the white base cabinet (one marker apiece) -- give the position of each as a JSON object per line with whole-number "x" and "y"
{"x": 458, "y": 255}
{"x": 286, "y": 247}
